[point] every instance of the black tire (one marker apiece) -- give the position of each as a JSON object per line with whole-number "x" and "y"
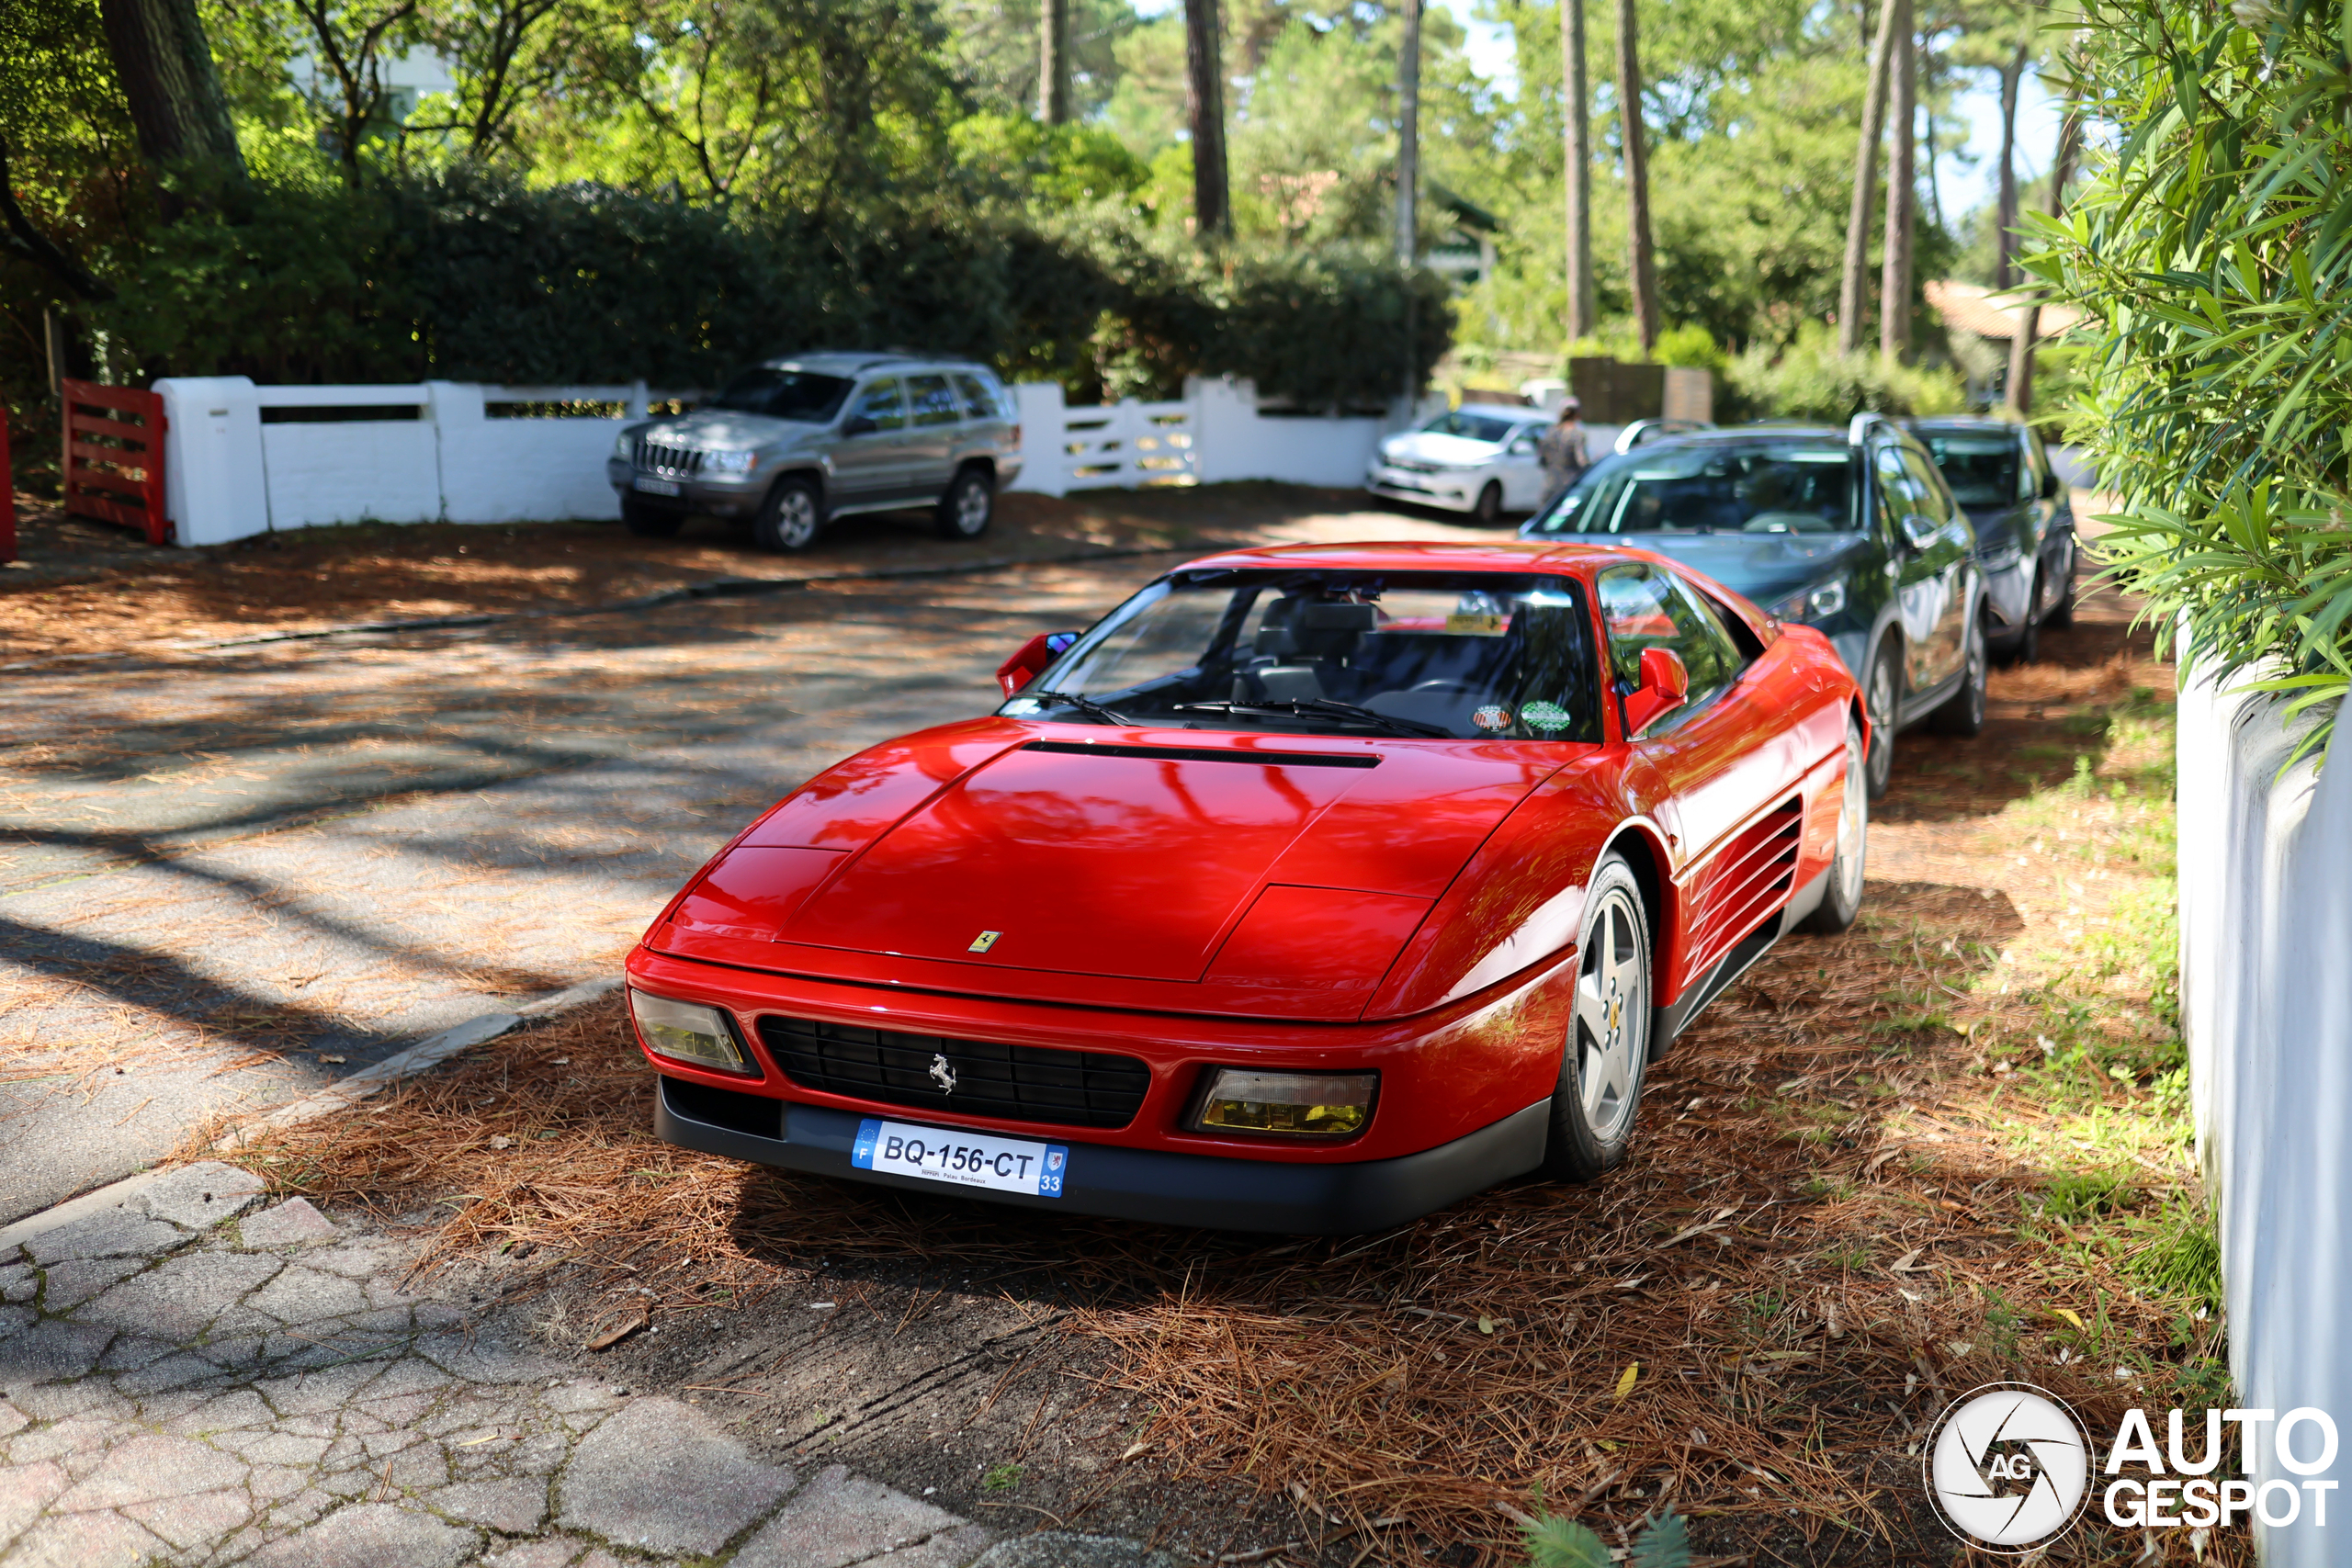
{"x": 2024, "y": 645}
{"x": 968, "y": 507}
{"x": 790, "y": 518}
{"x": 1963, "y": 713}
{"x": 1607, "y": 1048}
{"x": 1882, "y": 697}
{"x": 648, "y": 522}
{"x": 1489, "y": 510}
{"x": 1842, "y": 900}
{"x": 2062, "y": 613}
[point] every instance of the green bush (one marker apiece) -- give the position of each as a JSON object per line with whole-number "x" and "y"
{"x": 1555, "y": 1542}
{"x": 468, "y": 277}
{"x": 2214, "y": 247}
{"x": 1809, "y": 379}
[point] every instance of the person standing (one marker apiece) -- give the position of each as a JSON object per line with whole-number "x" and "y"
{"x": 1561, "y": 451}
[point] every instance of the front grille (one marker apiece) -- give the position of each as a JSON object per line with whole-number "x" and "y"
{"x": 1017, "y": 1083}
{"x": 678, "y": 462}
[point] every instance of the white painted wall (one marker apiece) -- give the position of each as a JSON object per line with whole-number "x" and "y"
{"x": 231, "y": 475}
{"x": 2265, "y": 976}
{"x": 228, "y": 475}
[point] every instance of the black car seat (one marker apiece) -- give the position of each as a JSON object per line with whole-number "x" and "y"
{"x": 1302, "y": 648}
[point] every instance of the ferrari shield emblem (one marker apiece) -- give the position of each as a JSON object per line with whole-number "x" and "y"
{"x": 983, "y": 942}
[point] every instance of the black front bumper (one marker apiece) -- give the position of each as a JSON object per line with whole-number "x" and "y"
{"x": 1208, "y": 1190}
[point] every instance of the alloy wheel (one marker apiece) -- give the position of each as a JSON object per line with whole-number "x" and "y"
{"x": 1612, "y": 1017}
{"x": 971, "y": 507}
{"x": 1853, "y": 825}
{"x": 796, "y": 520}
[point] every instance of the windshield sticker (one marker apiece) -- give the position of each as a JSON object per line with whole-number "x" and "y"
{"x": 1478, "y": 626}
{"x": 1492, "y": 718}
{"x": 1545, "y": 715}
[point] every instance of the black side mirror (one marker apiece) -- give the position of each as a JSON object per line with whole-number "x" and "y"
{"x": 859, "y": 424}
{"x": 2052, "y": 486}
{"x": 1918, "y": 530}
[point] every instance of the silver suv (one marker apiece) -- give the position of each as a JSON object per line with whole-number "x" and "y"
{"x": 792, "y": 443}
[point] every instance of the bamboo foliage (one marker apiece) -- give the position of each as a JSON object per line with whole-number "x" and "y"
{"x": 2213, "y": 246}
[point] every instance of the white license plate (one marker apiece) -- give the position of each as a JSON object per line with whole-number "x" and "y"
{"x": 658, "y": 487}
{"x": 961, "y": 1158}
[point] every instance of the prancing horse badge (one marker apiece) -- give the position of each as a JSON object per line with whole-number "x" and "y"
{"x": 983, "y": 942}
{"x": 943, "y": 1074}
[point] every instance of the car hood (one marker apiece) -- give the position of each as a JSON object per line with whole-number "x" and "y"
{"x": 1223, "y": 872}
{"x": 1761, "y": 567}
{"x": 1430, "y": 446}
{"x": 725, "y": 430}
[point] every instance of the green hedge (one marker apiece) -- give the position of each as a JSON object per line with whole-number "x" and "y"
{"x": 2212, "y": 250}
{"x": 467, "y": 278}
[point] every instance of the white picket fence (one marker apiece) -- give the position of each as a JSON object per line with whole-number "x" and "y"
{"x": 2266, "y": 982}
{"x": 242, "y": 459}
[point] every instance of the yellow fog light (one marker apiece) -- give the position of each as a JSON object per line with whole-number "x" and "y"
{"x": 688, "y": 1032}
{"x": 1313, "y": 1105}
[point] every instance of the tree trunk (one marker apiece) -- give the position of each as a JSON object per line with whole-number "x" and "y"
{"x": 2012, "y": 82}
{"x": 2061, "y": 169}
{"x": 1576, "y": 111}
{"x": 1408, "y": 136}
{"x": 1902, "y": 192}
{"x": 1053, "y": 61}
{"x": 165, "y": 64}
{"x": 1853, "y": 286}
{"x": 1644, "y": 267}
{"x": 1204, "y": 104}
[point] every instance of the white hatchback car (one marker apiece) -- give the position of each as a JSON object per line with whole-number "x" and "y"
{"x": 1479, "y": 459}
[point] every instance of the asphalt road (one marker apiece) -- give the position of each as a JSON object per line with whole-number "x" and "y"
{"x": 225, "y": 881}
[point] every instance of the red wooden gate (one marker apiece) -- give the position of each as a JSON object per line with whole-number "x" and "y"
{"x": 113, "y": 468}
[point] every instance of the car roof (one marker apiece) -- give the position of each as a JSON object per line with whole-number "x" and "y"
{"x": 1423, "y": 555}
{"x": 836, "y": 363}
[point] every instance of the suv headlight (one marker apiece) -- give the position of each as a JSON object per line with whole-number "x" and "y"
{"x": 1311, "y": 1105}
{"x": 1816, "y": 603}
{"x": 624, "y": 446}
{"x": 688, "y": 1032}
{"x": 729, "y": 465}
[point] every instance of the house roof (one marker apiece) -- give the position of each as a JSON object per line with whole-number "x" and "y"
{"x": 1991, "y": 314}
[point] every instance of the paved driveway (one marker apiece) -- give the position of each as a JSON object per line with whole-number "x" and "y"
{"x": 227, "y": 879}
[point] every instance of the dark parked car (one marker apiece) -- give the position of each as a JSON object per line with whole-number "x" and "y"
{"x": 1852, "y": 531}
{"x": 2025, "y": 523}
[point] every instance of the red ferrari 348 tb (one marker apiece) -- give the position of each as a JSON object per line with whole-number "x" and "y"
{"x": 1312, "y": 889}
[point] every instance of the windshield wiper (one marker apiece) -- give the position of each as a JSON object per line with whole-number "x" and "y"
{"x": 1089, "y": 706}
{"x": 1324, "y": 707}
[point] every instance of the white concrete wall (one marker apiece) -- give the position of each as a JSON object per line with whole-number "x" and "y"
{"x": 228, "y": 475}
{"x": 2266, "y": 937}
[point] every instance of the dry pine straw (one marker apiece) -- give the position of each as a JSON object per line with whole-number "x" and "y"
{"x": 1712, "y": 1325}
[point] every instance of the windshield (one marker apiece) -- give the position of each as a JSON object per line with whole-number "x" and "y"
{"x": 785, "y": 394}
{"x": 1981, "y": 469}
{"x": 1783, "y": 488}
{"x": 1440, "y": 656}
{"x": 1472, "y": 426}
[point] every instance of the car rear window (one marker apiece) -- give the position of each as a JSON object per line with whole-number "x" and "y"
{"x": 798, "y": 395}
{"x": 980, "y": 401}
{"x": 1981, "y": 469}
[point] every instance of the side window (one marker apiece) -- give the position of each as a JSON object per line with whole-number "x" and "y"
{"x": 933, "y": 401}
{"x": 2035, "y": 469}
{"x": 1898, "y": 489}
{"x": 1646, "y": 606}
{"x": 980, "y": 402}
{"x": 880, "y": 402}
{"x": 1934, "y": 496}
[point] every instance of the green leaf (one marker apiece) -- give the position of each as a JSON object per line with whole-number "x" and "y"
{"x": 1555, "y": 1542}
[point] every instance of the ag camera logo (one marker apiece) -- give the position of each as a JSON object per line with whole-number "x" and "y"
{"x": 2009, "y": 1467}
